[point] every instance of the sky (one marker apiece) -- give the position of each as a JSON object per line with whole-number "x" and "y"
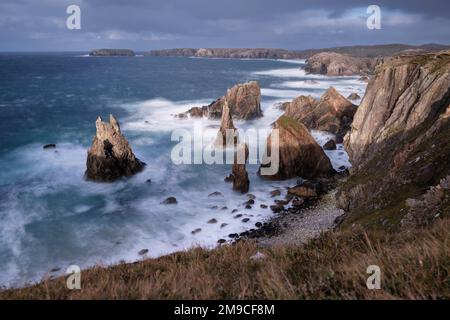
{"x": 40, "y": 25}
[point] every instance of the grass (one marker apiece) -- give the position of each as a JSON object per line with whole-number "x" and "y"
{"x": 414, "y": 265}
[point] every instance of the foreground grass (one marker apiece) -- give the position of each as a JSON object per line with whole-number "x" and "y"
{"x": 414, "y": 265}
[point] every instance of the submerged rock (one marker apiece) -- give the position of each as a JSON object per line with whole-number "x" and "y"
{"x": 299, "y": 153}
{"x": 49, "y": 146}
{"x": 170, "y": 200}
{"x": 110, "y": 156}
{"x": 330, "y": 145}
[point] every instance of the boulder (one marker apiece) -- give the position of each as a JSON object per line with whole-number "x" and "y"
{"x": 299, "y": 153}
{"x": 110, "y": 156}
{"x": 354, "y": 96}
{"x": 307, "y": 189}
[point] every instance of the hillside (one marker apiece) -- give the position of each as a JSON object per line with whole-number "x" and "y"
{"x": 270, "y": 53}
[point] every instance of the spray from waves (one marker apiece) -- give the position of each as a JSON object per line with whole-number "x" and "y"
{"x": 52, "y": 217}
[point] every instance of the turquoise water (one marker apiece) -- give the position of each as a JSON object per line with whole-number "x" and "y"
{"x": 50, "y": 217}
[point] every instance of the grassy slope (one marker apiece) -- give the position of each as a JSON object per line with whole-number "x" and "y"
{"x": 414, "y": 264}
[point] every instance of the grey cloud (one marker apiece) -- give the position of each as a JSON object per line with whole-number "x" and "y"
{"x": 144, "y": 24}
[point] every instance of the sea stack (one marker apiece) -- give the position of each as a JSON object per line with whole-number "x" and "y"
{"x": 299, "y": 153}
{"x": 239, "y": 175}
{"x": 227, "y": 135}
{"x": 110, "y": 156}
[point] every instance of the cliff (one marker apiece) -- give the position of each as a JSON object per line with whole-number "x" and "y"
{"x": 399, "y": 143}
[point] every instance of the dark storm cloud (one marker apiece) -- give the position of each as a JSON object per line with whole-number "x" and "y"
{"x": 144, "y": 24}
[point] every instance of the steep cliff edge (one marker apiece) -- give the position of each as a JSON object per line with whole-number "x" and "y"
{"x": 399, "y": 143}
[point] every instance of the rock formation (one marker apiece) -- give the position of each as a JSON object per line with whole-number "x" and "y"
{"x": 227, "y": 135}
{"x": 336, "y": 64}
{"x": 110, "y": 156}
{"x": 332, "y": 113}
{"x": 112, "y": 53}
{"x": 299, "y": 153}
{"x": 244, "y": 101}
{"x": 239, "y": 175}
{"x": 399, "y": 144}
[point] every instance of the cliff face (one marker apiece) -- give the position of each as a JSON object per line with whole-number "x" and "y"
{"x": 399, "y": 143}
{"x": 110, "y": 156}
{"x": 336, "y": 64}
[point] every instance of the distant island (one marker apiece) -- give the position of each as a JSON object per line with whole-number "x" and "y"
{"x": 112, "y": 53}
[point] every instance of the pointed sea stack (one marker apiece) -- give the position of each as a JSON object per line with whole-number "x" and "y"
{"x": 110, "y": 156}
{"x": 227, "y": 135}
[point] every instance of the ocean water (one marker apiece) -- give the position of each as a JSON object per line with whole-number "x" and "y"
{"x": 51, "y": 217}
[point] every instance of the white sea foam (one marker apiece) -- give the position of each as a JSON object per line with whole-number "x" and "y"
{"x": 52, "y": 217}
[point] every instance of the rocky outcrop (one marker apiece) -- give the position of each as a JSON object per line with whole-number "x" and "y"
{"x": 239, "y": 175}
{"x": 399, "y": 144}
{"x": 299, "y": 153}
{"x": 112, "y": 53}
{"x": 198, "y": 112}
{"x": 227, "y": 135}
{"x": 332, "y": 112}
{"x": 244, "y": 101}
{"x": 336, "y": 64}
{"x": 110, "y": 156}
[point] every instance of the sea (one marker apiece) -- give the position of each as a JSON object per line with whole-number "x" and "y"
{"x": 51, "y": 217}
